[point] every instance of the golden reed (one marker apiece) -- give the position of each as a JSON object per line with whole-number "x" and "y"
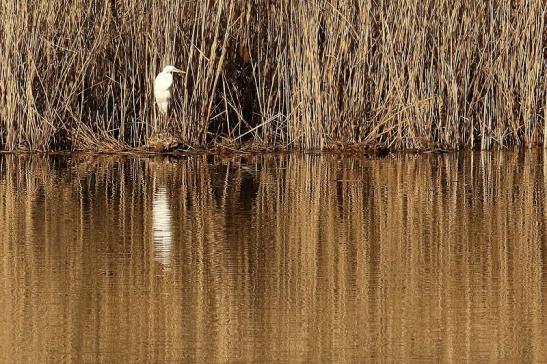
{"x": 411, "y": 74}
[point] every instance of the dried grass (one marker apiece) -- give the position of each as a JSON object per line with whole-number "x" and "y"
{"x": 296, "y": 74}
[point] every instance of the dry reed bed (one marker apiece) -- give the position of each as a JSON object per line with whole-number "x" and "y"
{"x": 296, "y": 74}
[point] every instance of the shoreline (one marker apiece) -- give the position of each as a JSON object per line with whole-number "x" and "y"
{"x": 223, "y": 151}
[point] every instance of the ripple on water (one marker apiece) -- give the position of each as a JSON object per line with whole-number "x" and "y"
{"x": 274, "y": 259}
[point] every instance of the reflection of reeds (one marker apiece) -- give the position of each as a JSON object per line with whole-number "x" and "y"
{"x": 300, "y": 74}
{"x": 309, "y": 257}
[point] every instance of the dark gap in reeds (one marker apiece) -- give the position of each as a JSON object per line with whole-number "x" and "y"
{"x": 296, "y": 75}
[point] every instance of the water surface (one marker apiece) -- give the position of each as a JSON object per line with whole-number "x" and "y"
{"x": 273, "y": 259}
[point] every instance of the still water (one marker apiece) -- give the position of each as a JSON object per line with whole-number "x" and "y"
{"x": 435, "y": 258}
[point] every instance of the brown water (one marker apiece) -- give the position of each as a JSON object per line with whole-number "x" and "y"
{"x": 274, "y": 259}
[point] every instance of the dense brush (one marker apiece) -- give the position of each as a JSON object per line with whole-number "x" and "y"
{"x": 298, "y": 74}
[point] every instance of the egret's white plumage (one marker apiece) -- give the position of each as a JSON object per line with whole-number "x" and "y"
{"x": 163, "y": 85}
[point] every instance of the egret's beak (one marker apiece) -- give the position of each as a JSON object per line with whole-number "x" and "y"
{"x": 179, "y": 71}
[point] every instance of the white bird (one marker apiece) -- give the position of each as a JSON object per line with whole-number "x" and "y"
{"x": 163, "y": 85}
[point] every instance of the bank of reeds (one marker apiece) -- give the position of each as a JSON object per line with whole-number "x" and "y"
{"x": 297, "y": 74}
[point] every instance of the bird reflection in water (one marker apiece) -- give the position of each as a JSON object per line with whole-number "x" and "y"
{"x": 162, "y": 227}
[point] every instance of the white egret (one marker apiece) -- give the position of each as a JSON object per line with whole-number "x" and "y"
{"x": 163, "y": 85}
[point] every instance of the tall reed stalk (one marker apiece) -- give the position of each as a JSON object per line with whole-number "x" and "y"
{"x": 300, "y": 74}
